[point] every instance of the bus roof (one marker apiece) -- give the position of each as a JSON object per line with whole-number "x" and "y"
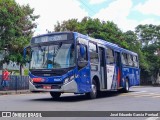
{"x": 99, "y": 41}
{"x": 106, "y": 43}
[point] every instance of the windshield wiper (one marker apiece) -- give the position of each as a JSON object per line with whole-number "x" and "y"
{"x": 59, "y": 46}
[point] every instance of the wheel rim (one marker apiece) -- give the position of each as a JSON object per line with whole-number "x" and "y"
{"x": 127, "y": 86}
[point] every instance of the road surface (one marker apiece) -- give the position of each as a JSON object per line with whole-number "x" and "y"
{"x": 138, "y": 99}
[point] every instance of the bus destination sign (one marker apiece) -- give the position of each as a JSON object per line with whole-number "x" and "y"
{"x": 49, "y": 38}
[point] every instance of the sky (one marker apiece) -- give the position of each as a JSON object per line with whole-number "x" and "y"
{"x": 127, "y": 14}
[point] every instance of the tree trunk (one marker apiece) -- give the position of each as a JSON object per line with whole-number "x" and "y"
{"x": 21, "y": 70}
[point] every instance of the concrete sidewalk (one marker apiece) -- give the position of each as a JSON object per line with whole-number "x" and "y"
{"x": 11, "y": 92}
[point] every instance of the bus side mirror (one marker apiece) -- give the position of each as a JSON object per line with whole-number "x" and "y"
{"x": 25, "y": 57}
{"x": 82, "y": 50}
{"x": 82, "y": 62}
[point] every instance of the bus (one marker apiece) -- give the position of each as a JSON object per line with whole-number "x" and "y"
{"x": 70, "y": 62}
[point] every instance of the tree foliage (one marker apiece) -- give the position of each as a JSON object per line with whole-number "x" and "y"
{"x": 149, "y": 36}
{"x": 94, "y": 28}
{"x": 16, "y": 28}
{"x": 145, "y": 40}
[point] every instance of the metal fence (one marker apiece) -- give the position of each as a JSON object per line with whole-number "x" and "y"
{"x": 17, "y": 82}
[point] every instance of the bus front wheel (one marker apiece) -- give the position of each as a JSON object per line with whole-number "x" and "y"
{"x": 55, "y": 94}
{"x": 93, "y": 93}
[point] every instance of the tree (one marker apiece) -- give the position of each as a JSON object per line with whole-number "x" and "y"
{"x": 94, "y": 28}
{"x": 148, "y": 34}
{"x": 149, "y": 37}
{"x": 16, "y": 28}
{"x": 70, "y": 25}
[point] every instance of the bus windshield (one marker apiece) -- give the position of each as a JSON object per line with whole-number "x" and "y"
{"x": 53, "y": 56}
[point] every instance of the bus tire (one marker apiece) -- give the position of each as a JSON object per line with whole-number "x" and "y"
{"x": 126, "y": 88}
{"x": 55, "y": 95}
{"x": 93, "y": 93}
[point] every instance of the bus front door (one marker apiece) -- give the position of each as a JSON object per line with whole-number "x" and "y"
{"x": 103, "y": 68}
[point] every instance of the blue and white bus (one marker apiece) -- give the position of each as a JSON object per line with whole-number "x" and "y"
{"x": 69, "y": 62}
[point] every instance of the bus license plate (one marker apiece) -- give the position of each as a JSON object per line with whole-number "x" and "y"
{"x": 46, "y": 87}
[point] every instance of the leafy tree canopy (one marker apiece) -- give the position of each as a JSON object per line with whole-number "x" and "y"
{"x": 16, "y": 28}
{"x": 94, "y": 28}
{"x": 149, "y": 37}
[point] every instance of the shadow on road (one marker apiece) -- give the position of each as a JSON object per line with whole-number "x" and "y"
{"x": 77, "y": 98}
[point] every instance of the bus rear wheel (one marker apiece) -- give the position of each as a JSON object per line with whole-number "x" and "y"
{"x": 55, "y": 95}
{"x": 126, "y": 88}
{"x": 93, "y": 93}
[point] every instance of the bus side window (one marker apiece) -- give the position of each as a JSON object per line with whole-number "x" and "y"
{"x": 110, "y": 56}
{"x": 130, "y": 60}
{"x": 93, "y": 52}
{"x": 124, "y": 59}
{"x": 135, "y": 61}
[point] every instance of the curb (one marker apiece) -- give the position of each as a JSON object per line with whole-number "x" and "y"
{"x": 142, "y": 86}
{"x": 12, "y": 92}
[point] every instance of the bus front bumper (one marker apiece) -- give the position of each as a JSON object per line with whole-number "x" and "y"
{"x": 70, "y": 87}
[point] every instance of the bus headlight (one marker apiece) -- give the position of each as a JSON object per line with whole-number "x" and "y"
{"x": 67, "y": 80}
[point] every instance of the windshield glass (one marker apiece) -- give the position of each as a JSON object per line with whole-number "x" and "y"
{"x": 53, "y": 56}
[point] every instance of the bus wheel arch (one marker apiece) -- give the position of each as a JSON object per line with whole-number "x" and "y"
{"x": 96, "y": 79}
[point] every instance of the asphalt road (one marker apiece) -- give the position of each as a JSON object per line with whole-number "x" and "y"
{"x": 138, "y": 99}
